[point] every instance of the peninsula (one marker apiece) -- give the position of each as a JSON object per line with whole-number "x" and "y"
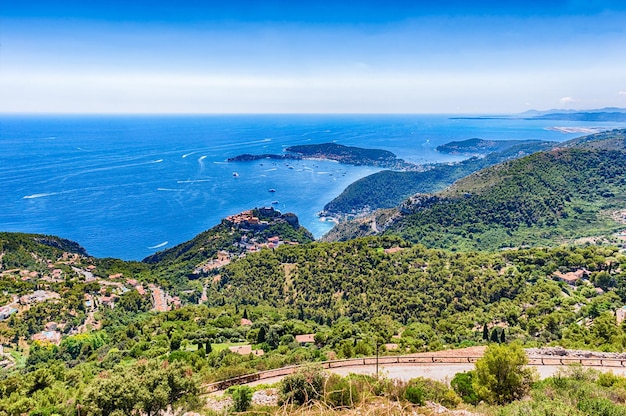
{"x": 337, "y": 152}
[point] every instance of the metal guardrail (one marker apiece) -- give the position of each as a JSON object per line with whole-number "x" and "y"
{"x": 391, "y": 360}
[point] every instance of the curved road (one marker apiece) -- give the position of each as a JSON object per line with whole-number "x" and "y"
{"x": 441, "y": 372}
{"x": 438, "y": 366}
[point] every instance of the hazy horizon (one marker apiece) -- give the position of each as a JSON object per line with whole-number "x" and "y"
{"x": 276, "y": 57}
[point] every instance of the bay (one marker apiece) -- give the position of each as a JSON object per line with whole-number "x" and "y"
{"x": 127, "y": 186}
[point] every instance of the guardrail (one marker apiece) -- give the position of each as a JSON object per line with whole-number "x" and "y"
{"x": 395, "y": 360}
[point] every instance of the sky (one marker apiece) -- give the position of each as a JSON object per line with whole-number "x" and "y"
{"x": 277, "y": 56}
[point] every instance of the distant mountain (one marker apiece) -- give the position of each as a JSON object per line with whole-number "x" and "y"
{"x": 546, "y": 198}
{"x": 585, "y": 116}
{"x": 535, "y": 113}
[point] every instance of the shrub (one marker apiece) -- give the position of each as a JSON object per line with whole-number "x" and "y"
{"x": 242, "y": 398}
{"x": 421, "y": 389}
{"x": 415, "y": 395}
{"x": 600, "y": 407}
{"x": 501, "y": 375}
{"x": 303, "y": 386}
{"x": 462, "y": 385}
{"x": 342, "y": 391}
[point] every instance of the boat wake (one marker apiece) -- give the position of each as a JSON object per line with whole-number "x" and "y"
{"x": 34, "y": 196}
{"x": 159, "y": 245}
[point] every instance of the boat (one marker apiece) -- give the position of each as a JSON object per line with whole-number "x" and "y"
{"x": 272, "y": 190}
{"x": 235, "y": 175}
{"x": 274, "y": 202}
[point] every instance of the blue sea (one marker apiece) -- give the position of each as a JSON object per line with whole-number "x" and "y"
{"x": 128, "y": 186}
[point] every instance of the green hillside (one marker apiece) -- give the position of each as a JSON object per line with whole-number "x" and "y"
{"x": 31, "y": 250}
{"x": 388, "y": 189}
{"x": 547, "y": 198}
{"x": 229, "y": 236}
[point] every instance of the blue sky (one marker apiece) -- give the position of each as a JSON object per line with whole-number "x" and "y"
{"x": 311, "y": 57}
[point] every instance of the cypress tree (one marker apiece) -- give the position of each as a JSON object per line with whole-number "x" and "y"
{"x": 245, "y": 314}
{"x": 260, "y": 338}
{"x": 502, "y": 337}
{"x": 494, "y": 335}
{"x": 485, "y": 332}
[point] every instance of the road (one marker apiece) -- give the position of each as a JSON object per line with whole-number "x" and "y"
{"x": 442, "y": 372}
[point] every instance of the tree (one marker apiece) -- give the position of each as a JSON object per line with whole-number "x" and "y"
{"x": 502, "y": 337}
{"x": 485, "y": 332}
{"x": 501, "y": 375}
{"x": 261, "y": 335}
{"x": 494, "y": 335}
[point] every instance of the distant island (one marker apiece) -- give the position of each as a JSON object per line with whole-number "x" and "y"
{"x": 332, "y": 151}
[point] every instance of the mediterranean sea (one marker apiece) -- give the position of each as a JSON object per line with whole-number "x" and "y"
{"x": 128, "y": 186}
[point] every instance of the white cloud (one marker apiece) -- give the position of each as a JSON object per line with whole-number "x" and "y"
{"x": 622, "y": 93}
{"x": 567, "y": 100}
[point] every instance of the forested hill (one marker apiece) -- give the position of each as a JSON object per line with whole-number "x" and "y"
{"x": 235, "y": 235}
{"x": 542, "y": 199}
{"x": 368, "y": 278}
{"x": 16, "y": 249}
{"x": 387, "y": 189}
{"x": 478, "y": 146}
{"x": 608, "y": 140}
{"x": 332, "y": 151}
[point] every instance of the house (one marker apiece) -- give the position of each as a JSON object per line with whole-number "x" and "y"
{"x": 572, "y": 277}
{"x": 245, "y": 350}
{"x": 305, "y": 339}
{"x": 38, "y": 296}
{"x": 392, "y": 250}
{"x": 241, "y": 349}
{"x": 245, "y": 322}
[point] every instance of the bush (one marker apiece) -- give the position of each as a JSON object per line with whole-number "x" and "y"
{"x": 342, "y": 391}
{"x": 303, "y": 386}
{"x": 601, "y": 407}
{"x": 462, "y": 385}
{"x": 421, "y": 389}
{"x": 501, "y": 375}
{"x": 242, "y": 398}
{"x": 415, "y": 395}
